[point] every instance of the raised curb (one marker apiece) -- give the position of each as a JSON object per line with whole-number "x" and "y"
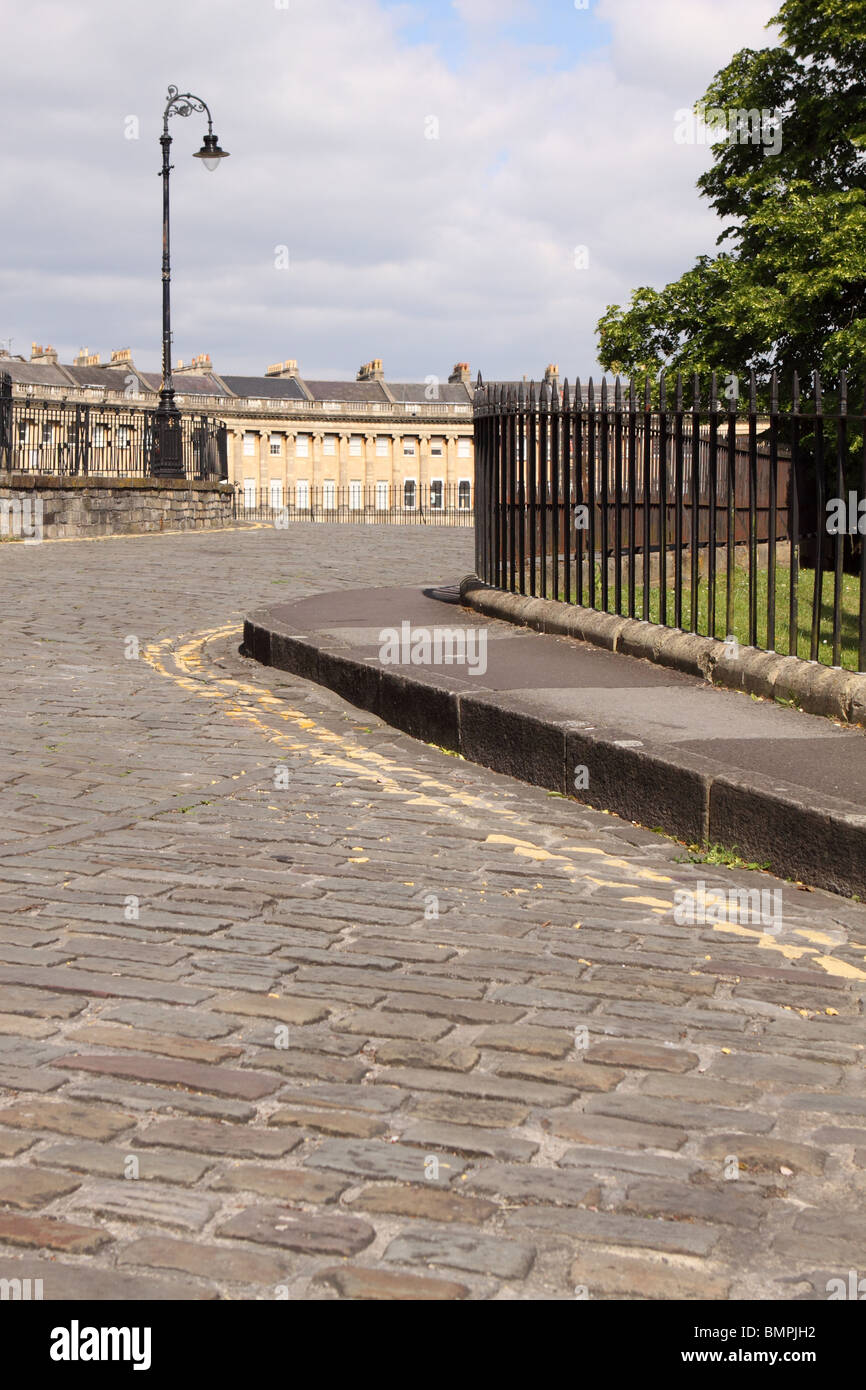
{"x": 811, "y": 686}
{"x": 819, "y": 840}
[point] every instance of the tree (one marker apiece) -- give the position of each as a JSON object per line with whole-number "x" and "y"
{"x": 787, "y": 289}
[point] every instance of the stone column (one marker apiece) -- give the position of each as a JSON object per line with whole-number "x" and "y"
{"x": 369, "y": 468}
{"x": 236, "y": 457}
{"x": 398, "y": 467}
{"x": 317, "y": 462}
{"x": 264, "y": 462}
{"x": 451, "y": 471}
{"x": 423, "y": 464}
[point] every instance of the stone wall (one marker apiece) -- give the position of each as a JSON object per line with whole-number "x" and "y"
{"x": 35, "y": 506}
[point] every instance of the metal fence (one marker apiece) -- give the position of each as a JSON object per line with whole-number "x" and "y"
{"x": 72, "y": 439}
{"x": 426, "y": 504}
{"x": 714, "y": 517}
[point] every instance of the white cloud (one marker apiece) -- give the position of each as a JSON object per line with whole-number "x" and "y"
{"x": 420, "y": 251}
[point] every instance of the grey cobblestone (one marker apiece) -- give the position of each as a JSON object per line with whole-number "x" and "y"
{"x": 283, "y": 1039}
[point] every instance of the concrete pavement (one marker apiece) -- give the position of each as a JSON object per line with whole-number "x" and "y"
{"x": 654, "y": 745}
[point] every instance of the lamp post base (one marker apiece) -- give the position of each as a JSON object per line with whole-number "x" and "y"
{"x": 166, "y": 453}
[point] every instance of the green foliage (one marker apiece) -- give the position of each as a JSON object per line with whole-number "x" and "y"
{"x": 787, "y": 291}
{"x": 720, "y": 856}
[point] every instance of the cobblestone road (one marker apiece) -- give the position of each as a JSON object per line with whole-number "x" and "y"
{"x": 242, "y": 1056}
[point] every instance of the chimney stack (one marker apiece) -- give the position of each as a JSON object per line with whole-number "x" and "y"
{"x": 461, "y": 374}
{"x": 199, "y": 365}
{"x": 371, "y": 371}
{"x": 283, "y": 369}
{"x": 46, "y": 355}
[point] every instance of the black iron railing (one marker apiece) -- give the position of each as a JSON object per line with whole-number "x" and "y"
{"x": 378, "y": 505}
{"x": 70, "y": 438}
{"x": 717, "y": 517}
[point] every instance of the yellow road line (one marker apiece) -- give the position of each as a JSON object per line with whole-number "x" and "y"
{"x": 245, "y": 701}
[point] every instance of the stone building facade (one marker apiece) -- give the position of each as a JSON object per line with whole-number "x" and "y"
{"x": 292, "y": 439}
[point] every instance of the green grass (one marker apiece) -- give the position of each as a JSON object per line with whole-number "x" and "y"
{"x": 739, "y": 627}
{"x": 719, "y": 855}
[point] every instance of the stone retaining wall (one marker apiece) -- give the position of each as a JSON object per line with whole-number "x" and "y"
{"x": 35, "y": 506}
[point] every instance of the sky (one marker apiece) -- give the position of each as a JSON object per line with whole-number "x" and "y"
{"x": 427, "y": 182}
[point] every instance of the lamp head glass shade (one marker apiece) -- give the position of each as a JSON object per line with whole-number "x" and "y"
{"x": 210, "y": 153}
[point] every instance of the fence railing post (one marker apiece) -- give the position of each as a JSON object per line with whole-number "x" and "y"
{"x": 634, "y": 480}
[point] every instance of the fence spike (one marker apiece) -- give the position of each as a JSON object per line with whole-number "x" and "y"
{"x": 795, "y": 393}
{"x": 532, "y": 395}
{"x": 843, "y": 393}
{"x": 819, "y": 401}
{"x": 696, "y": 392}
{"x": 647, "y": 392}
{"x": 617, "y": 393}
{"x": 521, "y": 395}
{"x": 632, "y": 400}
{"x": 604, "y": 393}
{"x": 753, "y": 390}
{"x": 591, "y": 395}
{"x": 679, "y": 391}
{"x": 714, "y": 393}
{"x": 578, "y": 394}
{"x": 479, "y": 383}
{"x": 565, "y": 396}
{"x": 663, "y": 391}
{"x": 774, "y": 392}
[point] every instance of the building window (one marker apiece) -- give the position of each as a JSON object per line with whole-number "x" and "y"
{"x": 355, "y": 446}
{"x": 100, "y": 438}
{"x": 302, "y": 495}
{"x": 464, "y": 495}
{"x": 330, "y": 444}
{"x": 381, "y": 446}
{"x": 249, "y": 445}
{"x": 436, "y": 448}
{"x": 437, "y": 491}
{"x": 409, "y": 448}
{"x": 355, "y": 494}
{"x": 410, "y": 488}
{"x": 276, "y": 494}
{"x": 464, "y": 448}
{"x": 123, "y": 436}
{"x": 249, "y": 494}
{"x": 382, "y": 497}
{"x": 329, "y": 495}
{"x": 412, "y": 408}
{"x": 302, "y": 446}
{"x": 276, "y": 444}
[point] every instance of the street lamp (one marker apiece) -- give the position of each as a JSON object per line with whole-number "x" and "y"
{"x": 167, "y": 456}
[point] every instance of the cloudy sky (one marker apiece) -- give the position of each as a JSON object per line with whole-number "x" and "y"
{"x": 407, "y": 180}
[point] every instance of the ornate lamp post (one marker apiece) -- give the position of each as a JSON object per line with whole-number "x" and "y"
{"x": 167, "y": 456}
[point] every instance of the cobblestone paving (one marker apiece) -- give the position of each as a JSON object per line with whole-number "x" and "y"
{"x": 291, "y": 1005}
